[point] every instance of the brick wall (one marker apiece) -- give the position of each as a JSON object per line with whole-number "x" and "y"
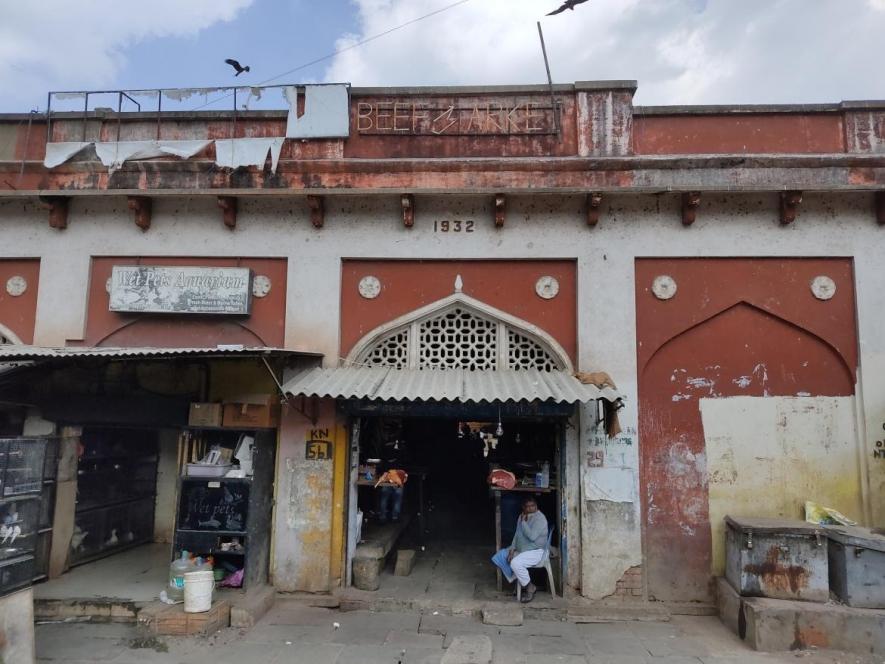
{"x": 630, "y": 584}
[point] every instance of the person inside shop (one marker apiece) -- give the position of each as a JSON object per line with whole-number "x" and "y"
{"x": 526, "y": 550}
{"x": 391, "y": 483}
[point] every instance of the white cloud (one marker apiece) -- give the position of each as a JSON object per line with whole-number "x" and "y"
{"x": 681, "y": 51}
{"x": 64, "y": 44}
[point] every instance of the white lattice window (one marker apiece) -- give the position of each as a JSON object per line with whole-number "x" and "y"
{"x": 457, "y": 337}
{"x": 526, "y": 353}
{"x": 391, "y": 351}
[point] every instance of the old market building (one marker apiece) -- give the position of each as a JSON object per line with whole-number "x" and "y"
{"x": 436, "y": 256}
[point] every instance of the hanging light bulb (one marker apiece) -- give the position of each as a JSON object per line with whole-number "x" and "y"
{"x": 500, "y": 430}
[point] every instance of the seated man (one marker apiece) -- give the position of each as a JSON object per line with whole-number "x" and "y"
{"x": 526, "y": 550}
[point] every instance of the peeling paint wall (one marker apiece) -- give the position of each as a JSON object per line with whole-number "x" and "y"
{"x": 303, "y": 519}
{"x": 538, "y": 227}
{"x": 767, "y": 455}
{"x": 610, "y": 516}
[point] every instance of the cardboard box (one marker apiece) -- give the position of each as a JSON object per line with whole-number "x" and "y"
{"x": 205, "y": 415}
{"x": 252, "y": 410}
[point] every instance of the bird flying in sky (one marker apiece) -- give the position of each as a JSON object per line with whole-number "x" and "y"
{"x": 568, "y": 4}
{"x": 236, "y": 65}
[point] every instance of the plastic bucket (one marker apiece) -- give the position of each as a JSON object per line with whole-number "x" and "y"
{"x": 198, "y": 587}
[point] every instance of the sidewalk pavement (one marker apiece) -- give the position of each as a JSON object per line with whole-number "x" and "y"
{"x": 293, "y": 633}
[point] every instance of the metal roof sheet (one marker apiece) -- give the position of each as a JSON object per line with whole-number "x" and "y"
{"x": 22, "y": 352}
{"x": 388, "y": 384}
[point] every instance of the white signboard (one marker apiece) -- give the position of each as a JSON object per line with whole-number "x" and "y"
{"x": 181, "y": 290}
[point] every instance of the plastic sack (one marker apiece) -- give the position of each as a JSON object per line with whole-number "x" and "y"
{"x": 234, "y": 580}
{"x": 825, "y": 516}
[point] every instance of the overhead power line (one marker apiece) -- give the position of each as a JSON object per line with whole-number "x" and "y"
{"x": 362, "y": 42}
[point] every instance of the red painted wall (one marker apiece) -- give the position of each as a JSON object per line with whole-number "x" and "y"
{"x": 264, "y": 327}
{"x": 19, "y": 314}
{"x": 506, "y": 285}
{"x": 792, "y": 133}
{"x": 736, "y": 327}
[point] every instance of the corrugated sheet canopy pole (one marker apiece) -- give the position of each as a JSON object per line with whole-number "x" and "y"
{"x": 462, "y": 385}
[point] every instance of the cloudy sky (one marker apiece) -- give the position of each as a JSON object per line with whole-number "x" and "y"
{"x": 680, "y": 51}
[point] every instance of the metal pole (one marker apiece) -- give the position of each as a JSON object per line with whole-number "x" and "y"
{"x": 49, "y": 117}
{"x": 549, "y": 81}
{"x": 85, "y": 113}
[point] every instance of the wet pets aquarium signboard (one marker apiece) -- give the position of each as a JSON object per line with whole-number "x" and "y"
{"x": 180, "y": 290}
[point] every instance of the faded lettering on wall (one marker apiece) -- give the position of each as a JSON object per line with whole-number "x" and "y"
{"x": 472, "y": 119}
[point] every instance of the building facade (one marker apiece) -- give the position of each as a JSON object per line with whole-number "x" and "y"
{"x": 721, "y": 264}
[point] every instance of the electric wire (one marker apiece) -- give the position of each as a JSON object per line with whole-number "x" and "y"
{"x": 328, "y": 56}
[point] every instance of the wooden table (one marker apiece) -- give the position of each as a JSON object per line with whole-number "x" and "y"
{"x": 498, "y": 491}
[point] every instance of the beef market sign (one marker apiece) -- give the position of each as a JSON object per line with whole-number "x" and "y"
{"x": 181, "y": 290}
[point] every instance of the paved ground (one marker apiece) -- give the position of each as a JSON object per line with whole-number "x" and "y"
{"x": 296, "y": 634}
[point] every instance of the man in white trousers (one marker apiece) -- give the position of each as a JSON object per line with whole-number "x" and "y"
{"x": 526, "y": 550}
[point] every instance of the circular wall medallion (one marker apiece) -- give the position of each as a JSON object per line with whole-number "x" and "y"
{"x": 370, "y": 287}
{"x": 16, "y": 285}
{"x": 260, "y": 285}
{"x": 547, "y": 287}
{"x": 823, "y": 287}
{"x": 664, "y": 287}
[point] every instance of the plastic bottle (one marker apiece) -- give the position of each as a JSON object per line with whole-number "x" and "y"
{"x": 545, "y": 474}
{"x": 177, "y": 570}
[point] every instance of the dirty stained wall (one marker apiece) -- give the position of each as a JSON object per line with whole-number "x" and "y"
{"x": 767, "y": 455}
{"x": 610, "y": 535}
{"x": 304, "y": 536}
{"x": 630, "y": 226}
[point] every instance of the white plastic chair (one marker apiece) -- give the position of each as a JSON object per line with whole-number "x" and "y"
{"x": 545, "y": 564}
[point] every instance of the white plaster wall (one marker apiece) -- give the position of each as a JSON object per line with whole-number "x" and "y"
{"x": 536, "y": 227}
{"x": 766, "y": 456}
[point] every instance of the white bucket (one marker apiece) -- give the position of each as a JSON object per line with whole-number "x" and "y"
{"x": 198, "y": 587}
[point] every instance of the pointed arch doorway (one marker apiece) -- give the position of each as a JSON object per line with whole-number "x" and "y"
{"x": 452, "y": 390}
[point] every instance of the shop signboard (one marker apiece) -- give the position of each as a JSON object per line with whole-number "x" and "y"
{"x": 180, "y": 290}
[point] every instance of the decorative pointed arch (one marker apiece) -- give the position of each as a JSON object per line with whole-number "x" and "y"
{"x": 7, "y": 336}
{"x": 459, "y": 332}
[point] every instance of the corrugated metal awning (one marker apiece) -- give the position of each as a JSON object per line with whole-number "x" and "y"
{"x": 387, "y": 384}
{"x": 18, "y": 352}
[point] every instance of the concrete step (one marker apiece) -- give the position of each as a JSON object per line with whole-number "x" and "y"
{"x": 317, "y": 600}
{"x": 582, "y": 610}
{"x": 93, "y": 609}
{"x": 774, "y": 625}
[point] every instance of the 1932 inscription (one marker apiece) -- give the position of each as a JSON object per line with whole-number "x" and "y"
{"x": 468, "y": 119}
{"x": 453, "y": 226}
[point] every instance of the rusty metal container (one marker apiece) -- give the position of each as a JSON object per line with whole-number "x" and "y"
{"x": 857, "y": 566}
{"x": 777, "y": 558}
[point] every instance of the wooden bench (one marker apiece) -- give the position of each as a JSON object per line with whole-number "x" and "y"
{"x": 368, "y": 558}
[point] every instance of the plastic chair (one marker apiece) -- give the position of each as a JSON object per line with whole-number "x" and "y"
{"x": 544, "y": 563}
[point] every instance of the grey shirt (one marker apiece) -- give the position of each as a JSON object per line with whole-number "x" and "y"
{"x": 531, "y": 533}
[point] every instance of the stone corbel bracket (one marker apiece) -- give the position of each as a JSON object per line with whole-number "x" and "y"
{"x": 317, "y": 211}
{"x": 58, "y": 210}
{"x": 407, "y": 201}
{"x": 594, "y": 201}
{"x": 141, "y": 206}
{"x": 789, "y": 206}
{"x": 500, "y": 210}
{"x": 690, "y": 202}
{"x": 228, "y": 205}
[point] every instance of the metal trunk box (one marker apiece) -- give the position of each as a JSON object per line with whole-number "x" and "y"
{"x": 857, "y": 566}
{"x": 777, "y": 558}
